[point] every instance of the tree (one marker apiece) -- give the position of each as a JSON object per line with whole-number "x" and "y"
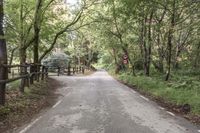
{"x": 158, "y": 33}
{"x": 3, "y": 56}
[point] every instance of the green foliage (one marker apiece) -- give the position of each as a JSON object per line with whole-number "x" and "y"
{"x": 57, "y": 60}
{"x": 185, "y": 90}
{"x": 139, "y": 64}
{"x": 13, "y": 85}
{"x": 108, "y": 29}
{"x": 4, "y": 111}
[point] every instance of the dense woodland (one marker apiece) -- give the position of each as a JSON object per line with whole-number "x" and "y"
{"x": 160, "y": 38}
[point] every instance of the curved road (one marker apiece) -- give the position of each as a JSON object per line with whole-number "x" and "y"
{"x": 99, "y": 104}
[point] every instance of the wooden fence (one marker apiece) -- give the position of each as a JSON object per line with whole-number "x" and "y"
{"x": 30, "y": 73}
{"x": 57, "y": 71}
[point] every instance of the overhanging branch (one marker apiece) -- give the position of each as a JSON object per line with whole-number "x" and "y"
{"x": 57, "y": 35}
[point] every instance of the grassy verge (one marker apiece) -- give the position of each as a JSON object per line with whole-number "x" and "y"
{"x": 19, "y": 108}
{"x": 180, "y": 91}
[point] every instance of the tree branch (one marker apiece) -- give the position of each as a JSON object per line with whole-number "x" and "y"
{"x": 74, "y": 21}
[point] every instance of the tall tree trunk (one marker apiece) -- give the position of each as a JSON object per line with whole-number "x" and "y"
{"x": 176, "y": 62}
{"x": 145, "y": 56}
{"x": 22, "y": 54}
{"x": 161, "y": 54}
{"x": 114, "y": 54}
{"x": 22, "y": 50}
{"x": 169, "y": 43}
{"x": 3, "y": 56}
{"x": 160, "y": 65}
{"x": 169, "y": 55}
{"x": 125, "y": 50}
{"x": 22, "y": 69}
{"x": 149, "y": 44}
{"x": 129, "y": 59}
{"x": 142, "y": 39}
{"x": 37, "y": 23}
{"x": 36, "y": 51}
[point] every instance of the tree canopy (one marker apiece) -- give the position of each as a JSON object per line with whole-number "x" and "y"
{"x": 156, "y": 35}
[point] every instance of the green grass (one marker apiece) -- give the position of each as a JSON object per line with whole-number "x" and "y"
{"x": 13, "y": 85}
{"x": 180, "y": 90}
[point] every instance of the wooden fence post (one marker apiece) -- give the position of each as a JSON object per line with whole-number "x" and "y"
{"x": 31, "y": 73}
{"x": 13, "y": 73}
{"x": 2, "y": 85}
{"x": 38, "y": 74}
{"x": 43, "y": 72}
{"x": 23, "y": 80}
{"x": 34, "y": 75}
{"x": 69, "y": 70}
{"x": 27, "y": 79}
{"x": 83, "y": 70}
{"x": 2, "y": 93}
{"x": 46, "y": 71}
{"x": 76, "y": 69}
{"x": 80, "y": 69}
{"x": 58, "y": 71}
{"x": 73, "y": 70}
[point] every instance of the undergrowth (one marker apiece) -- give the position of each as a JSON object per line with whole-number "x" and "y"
{"x": 18, "y": 104}
{"x": 181, "y": 89}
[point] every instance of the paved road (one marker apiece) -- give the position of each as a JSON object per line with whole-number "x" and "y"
{"x": 100, "y": 104}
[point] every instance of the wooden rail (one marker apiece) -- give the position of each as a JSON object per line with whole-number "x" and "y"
{"x": 29, "y": 73}
{"x": 67, "y": 71}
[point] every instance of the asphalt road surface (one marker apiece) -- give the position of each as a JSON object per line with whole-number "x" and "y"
{"x": 100, "y": 104}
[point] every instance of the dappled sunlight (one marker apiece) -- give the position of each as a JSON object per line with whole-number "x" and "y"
{"x": 152, "y": 45}
{"x": 99, "y": 75}
{"x": 103, "y": 75}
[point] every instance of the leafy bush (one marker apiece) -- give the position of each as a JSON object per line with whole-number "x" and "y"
{"x": 139, "y": 64}
{"x": 57, "y": 60}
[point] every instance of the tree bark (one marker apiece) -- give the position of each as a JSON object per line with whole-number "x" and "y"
{"x": 145, "y": 48}
{"x": 169, "y": 43}
{"x": 22, "y": 51}
{"x": 161, "y": 53}
{"x": 22, "y": 69}
{"x": 3, "y": 56}
{"x": 160, "y": 64}
{"x": 149, "y": 44}
{"x": 37, "y": 22}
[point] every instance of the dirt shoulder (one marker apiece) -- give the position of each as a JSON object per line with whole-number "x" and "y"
{"x": 20, "y": 109}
